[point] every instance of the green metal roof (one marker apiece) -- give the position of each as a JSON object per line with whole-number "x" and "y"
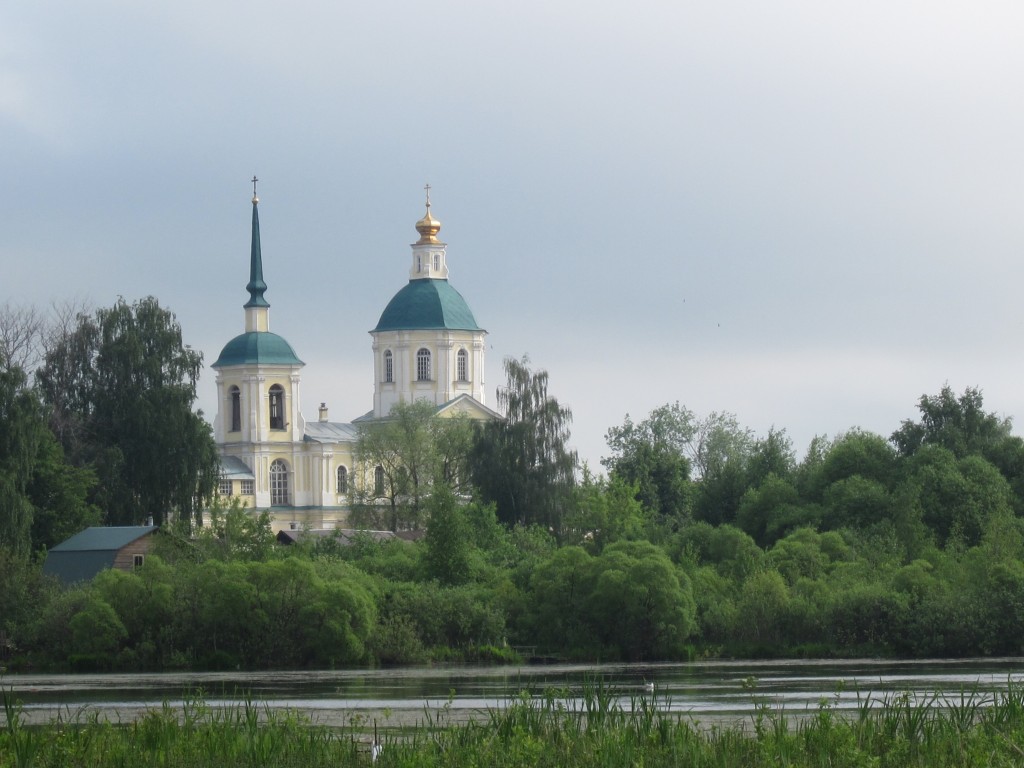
{"x": 257, "y": 347}
{"x": 98, "y": 539}
{"x": 87, "y": 553}
{"x": 427, "y": 304}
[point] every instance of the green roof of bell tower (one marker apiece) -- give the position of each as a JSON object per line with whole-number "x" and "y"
{"x": 257, "y": 348}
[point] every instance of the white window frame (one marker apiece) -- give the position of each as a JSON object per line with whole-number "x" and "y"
{"x": 280, "y": 493}
{"x": 423, "y": 364}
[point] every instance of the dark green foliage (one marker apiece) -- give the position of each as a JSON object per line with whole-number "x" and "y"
{"x": 769, "y": 510}
{"x": 652, "y": 456}
{"x": 856, "y": 550}
{"x": 629, "y": 602}
{"x": 59, "y": 493}
{"x": 605, "y": 511}
{"x": 772, "y": 455}
{"x": 957, "y": 496}
{"x": 859, "y": 453}
{"x": 958, "y": 424}
{"x": 22, "y": 436}
{"x": 447, "y": 556}
{"x": 121, "y": 386}
{"x": 441, "y": 617}
{"x": 523, "y": 463}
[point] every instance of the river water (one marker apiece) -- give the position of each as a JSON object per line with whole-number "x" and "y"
{"x": 709, "y": 691}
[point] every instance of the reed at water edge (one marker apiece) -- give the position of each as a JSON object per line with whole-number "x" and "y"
{"x": 591, "y": 730}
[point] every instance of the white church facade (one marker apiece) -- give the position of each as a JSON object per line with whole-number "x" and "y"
{"x": 426, "y": 346}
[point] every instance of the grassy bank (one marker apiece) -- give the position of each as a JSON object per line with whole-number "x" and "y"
{"x": 542, "y": 732}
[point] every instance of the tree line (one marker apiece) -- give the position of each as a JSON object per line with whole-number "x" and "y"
{"x": 699, "y": 536}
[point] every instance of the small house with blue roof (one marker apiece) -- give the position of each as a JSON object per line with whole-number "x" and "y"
{"x": 95, "y": 549}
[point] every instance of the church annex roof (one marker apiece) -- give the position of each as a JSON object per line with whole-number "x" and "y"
{"x": 233, "y": 468}
{"x": 427, "y": 304}
{"x": 329, "y": 432}
{"x": 257, "y": 348}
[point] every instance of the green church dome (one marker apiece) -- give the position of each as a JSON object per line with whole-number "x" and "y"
{"x": 257, "y": 347}
{"x": 427, "y": 304}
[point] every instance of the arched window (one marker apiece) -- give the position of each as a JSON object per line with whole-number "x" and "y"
{"x": 278, "y": 483}
{"x": 236, "y": 409}
{"x": 277, "y": 407}
{"x": 462, "y": 365}
{"x": 378, "y": 481}
{"x": 423, "y": 365}
{"x": 342, "y": 480}
{"x": 389, "y": 367}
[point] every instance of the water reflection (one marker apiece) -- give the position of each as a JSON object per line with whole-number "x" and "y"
{"x": 701, "y": 689}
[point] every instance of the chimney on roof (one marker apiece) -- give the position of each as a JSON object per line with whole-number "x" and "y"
{"x": 323, "y": 411}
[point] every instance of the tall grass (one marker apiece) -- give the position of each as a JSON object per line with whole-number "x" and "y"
{"x": 553, "y": 728}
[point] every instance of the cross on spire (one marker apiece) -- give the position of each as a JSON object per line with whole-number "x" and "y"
{"x": 254, "y": 180}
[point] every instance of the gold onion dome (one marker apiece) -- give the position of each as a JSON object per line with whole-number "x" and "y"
{"x": 428, "y": 226}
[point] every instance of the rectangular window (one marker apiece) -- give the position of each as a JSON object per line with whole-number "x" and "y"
{"x": 224, "y": 489}
{"x": 138, "y": 560}
{"x": 247, "y": 489}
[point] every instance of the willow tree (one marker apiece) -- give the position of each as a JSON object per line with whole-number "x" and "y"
{"x": 22, "y": 431}
{"x": 121, "y": 386}
{"x": 523, "y": 463}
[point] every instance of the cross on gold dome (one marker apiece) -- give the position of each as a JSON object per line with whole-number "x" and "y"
{"x": 428, "y": 226}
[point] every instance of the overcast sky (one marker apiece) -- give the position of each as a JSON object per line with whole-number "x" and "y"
{"x": 804, "y": 213}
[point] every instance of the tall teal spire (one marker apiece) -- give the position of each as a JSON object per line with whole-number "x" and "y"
{"x": 256, "y": 286}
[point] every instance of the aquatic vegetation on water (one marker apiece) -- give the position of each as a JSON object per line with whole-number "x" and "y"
{"x": 549, "y": 729}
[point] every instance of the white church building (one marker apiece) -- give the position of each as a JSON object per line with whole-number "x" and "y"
{"x": 426, "y": 346}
